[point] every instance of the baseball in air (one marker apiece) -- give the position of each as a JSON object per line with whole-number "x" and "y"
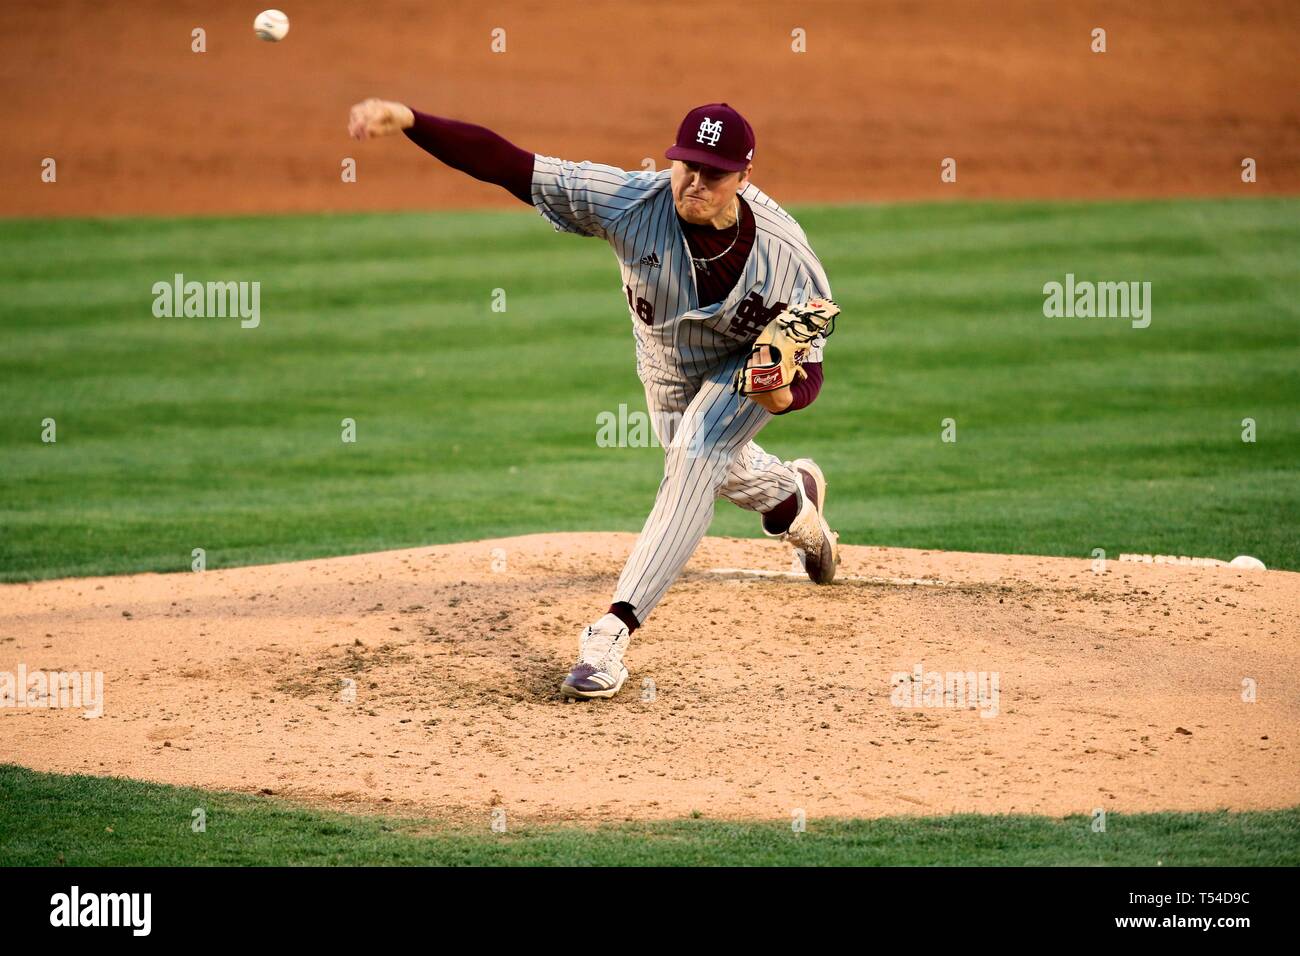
{"x": 271, "y": 25}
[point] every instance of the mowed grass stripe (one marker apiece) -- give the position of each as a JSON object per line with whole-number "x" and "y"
{"x": 50, "y": 819}
{"x": 1072, "y": 433}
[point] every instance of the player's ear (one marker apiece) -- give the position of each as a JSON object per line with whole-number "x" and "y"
{"x": 745, "y": 174}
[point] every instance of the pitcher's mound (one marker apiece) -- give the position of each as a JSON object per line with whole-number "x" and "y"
{"x": 923, "y": 682}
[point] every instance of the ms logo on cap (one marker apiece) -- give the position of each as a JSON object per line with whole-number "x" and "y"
{"x": 714, "y": 135}
{"x": 710, "y": 132}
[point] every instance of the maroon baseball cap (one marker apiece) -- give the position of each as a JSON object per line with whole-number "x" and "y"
{"x": 714, "y": 135}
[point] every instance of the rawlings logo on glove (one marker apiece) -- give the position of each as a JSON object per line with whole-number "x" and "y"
{"x": 775, "y": 360}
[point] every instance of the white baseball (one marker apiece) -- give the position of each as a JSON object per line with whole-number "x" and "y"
{"x": 271, "y": 25}
{"x": 1247, "y": 562}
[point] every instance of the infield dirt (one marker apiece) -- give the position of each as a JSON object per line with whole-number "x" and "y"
{"x": 750, "y": 697}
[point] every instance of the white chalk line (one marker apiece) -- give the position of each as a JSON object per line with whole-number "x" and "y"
{"x": 867, "y": 578}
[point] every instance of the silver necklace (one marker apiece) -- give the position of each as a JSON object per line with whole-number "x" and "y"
{"x": 703, "y": 264}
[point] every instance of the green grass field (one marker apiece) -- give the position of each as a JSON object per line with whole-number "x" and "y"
{"x": 48, "y": 820}
{"x": 1073, "y": 434}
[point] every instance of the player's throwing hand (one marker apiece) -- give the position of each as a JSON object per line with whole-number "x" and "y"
{"x": 371, "y": 118}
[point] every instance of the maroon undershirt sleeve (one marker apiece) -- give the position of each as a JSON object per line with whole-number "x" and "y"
{"x": 477, "y": 151}
{"x": 805, "y": 390}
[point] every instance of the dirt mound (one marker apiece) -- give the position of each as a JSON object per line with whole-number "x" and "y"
{"x": 750, "y": 695}
{"x": 1012, "y": 91}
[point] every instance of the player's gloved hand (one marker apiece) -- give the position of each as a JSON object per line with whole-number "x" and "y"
{"x": 776, "y": 356}
{"x": 371, "y": 118}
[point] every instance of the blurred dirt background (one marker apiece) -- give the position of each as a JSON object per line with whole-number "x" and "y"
{"x": 1011, "y": 89}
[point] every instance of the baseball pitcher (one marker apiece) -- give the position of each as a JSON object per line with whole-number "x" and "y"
{"x": 730, "y": 309}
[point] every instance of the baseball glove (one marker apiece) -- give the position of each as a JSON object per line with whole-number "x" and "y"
{"x": 776, "y": 358}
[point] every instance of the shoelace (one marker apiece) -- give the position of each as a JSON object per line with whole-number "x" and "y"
{"x": 597, "y": 646}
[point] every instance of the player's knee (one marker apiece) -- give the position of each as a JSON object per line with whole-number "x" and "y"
{"x": 704, "y": 467}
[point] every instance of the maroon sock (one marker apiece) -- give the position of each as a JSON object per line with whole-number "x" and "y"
{"x": 623, "y": 611}
{"x": 779, "y": 519}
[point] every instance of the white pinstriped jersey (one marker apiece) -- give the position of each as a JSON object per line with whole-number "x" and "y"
{"x": 635, "y": 214}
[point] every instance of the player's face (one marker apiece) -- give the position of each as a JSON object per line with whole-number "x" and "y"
{"x": 704, "y": 193}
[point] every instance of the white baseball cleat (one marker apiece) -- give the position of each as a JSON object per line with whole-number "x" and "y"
{"x": 599, "y": 672}
{"x": 816, "y": 546}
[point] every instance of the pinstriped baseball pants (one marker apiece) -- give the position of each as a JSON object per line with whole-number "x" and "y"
{"x": 707, "y": 434}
